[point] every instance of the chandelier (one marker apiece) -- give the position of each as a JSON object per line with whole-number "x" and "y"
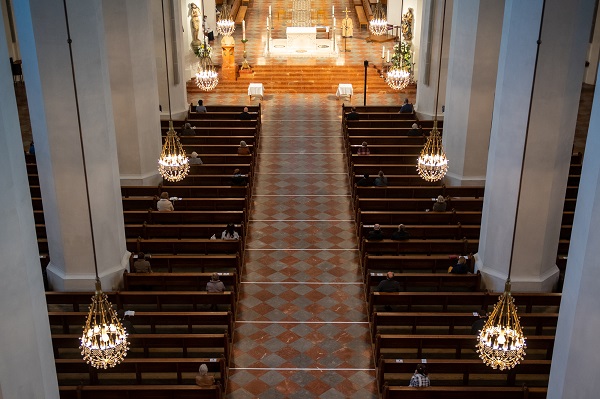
{"x": 432, "y": 164}
{"x": 397, "y": 76}
{"x": 104, "y": 340}
{"x": 501, "y": 343}
{"x": 173, "y": 163}
{"x": 378, "y": 25}
{"x": 225, "y": 24}
{"x": 207, "y": 77}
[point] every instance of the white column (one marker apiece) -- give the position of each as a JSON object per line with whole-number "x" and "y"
{"x": 176, "y": 49}
{"x": 429, "y": 57}
{"x": 50, "y": 94}
{"x": 575, "y": 362}
{"x": 548, "y": 149}
{"x": 593, "y": 56}
{"x": 27, "y": 368}
{"x": 134, "y": 89}
{"x": 473, "y": 63}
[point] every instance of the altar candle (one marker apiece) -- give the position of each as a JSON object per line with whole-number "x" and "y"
{"x": 267, "y": 22}
{"x": 382, "y": 51}
{"x": 332, "y": 11}
{"x": 334, "y": 25}
{"x": 243, "y": 29}
{"x": 388, "y": 56}
{"x": 269, "y": 10}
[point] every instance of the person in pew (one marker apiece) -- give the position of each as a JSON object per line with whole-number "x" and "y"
{"x": 229, "y": 233}
{"x": 440, "y": 204}
{"x": 31, "y": 148}
{"x": 203, "y": 379}
{"x": 375, "y": 234}
{"x": 364, "y": 181}
{"x": 163, "y": 204}
{"x": 420, "y": 378}
{"x": 238, "y": 179}
{"x": 480, "y": 322}
{"x": 461, "y": 267}
{"x": 195, "y": 159}
{"x": 352, "y": 115}
{"x": 380, "y": 180}
{"x": 142, "y": 265}
{"x": 187, "y": 130}
{"x": 415, "y": 130}
{"x": 406, "y": 107}
{"x": 125, "y": 322}
{"x": 200, "y": 107}
{"x": 401, "y": 233}
{"x": 215, "y": 285}
{"x": 388, "y": 285}
{"x": 243, "y": 148}
{"x": 363, "y": 149}
{"x": 245, "y": 116}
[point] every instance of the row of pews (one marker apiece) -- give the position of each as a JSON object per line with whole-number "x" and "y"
{"x": 430, "y": 320}
{"x": 177, "y": 324}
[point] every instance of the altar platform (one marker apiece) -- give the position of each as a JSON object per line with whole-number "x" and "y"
{"x": 323, "y": 49}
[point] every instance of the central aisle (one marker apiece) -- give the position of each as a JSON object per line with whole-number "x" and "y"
{"x": 302, "y": 329}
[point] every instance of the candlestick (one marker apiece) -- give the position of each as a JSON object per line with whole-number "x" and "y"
{"x": 267, "y": 22}
{"x": 334, "y": 25}
{"x": 382, "y": 51}
{"x": 243, "y": 29}
{"x": 332, "y": 11}
{"x": 388, "y": 56}
{"x": 269, "y": 10}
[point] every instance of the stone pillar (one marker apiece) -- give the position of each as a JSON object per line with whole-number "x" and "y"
{"x": 472, "y": 67}
{"x": 552, "y": 90}
{"x": 27, "y": 369}
{"x": 593, "y": 56}
{"x": 176, "y": 48}
{"x": 134, "y": 89}
{"x": 229, "y": 67}
{"x": 428, "y": 58}
{"x": 50, "y": 94}
{"x": 575, "y": 362}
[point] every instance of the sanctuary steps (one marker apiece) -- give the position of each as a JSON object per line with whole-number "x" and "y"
{"x": 306, "y": 79}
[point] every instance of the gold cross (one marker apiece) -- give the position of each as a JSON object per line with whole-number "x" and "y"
{"x": 346, "y": 11}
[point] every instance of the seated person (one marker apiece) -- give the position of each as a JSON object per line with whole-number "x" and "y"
{"x": 380, "y": 180}
{"x": 401, "y": 233}
{"x": 215, "y": 285}
{"x": 477, "y": 326}
{"x": 363, "y": 149}
{"x": 31, "y": 148}
{"x": 243, "y": 148}
{"x": 203, "y": 379}
{"x": 352, "y": 115}
{"x": 195, "y": 159}
{"x": 125, "y": 322}
{"x": 364, "y": 181}
{"x": 238, "y": 179}
{"x": 415, "y": 130}
{"x": 229, "y": 233}
{"x": 187, "y": 130}
{"x": 201, "y": 108}
{"x": 245, "y": 116}
{"x": 375, "y": 234}
{"x": 163, "y": 204}
{"x": 420, "y": 378}
{"x": 461, "y": 267}
{"x": 141, "y": 265}
{"x": 440, "y": 204}
{"x": 389, "y": 284}
{"x": 406, "y": 108}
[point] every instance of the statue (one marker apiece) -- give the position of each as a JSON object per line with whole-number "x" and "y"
{"x": 347, "y": 25}
{"x": 407, "y": 23}
{"x": 195, "y": 12}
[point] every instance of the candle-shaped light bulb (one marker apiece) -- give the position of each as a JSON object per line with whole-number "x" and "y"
{"x": 269, "y": 10}
{"x": 382, "y": 51}
{"x": 243, "y": 29}
{"x": 332, "y": 11}
{"x": 388, "y": 56}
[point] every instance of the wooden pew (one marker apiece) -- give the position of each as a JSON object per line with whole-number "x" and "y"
{"x": 462, "y": 369}
{"x": 463, "y": 301}
{"x": 157, "y": 346}
{"x": 416, "y": 204}
{"x": 183, "y": 217}
{"x": 418, "y": 217}
{"x": 188, "y": 204}
{"x": 185, "y": 246}
{"x": 395, "y": 149}
{"x": 418, "y": 191}
{"x": 464, "y": 392}
{"x": 140, "y": 391}
{"x": 202, "y": 263}
{"x": 448, "y": 322}
{"x": 153, "y": 322}
{"x": 393, "y": 130}
{"x": 241, "y": 14}
{"x": 218, "y": 131}
{"x": 232, "y": 120}
{"x": 177, "y": 281}
{"x": 385, "y": 159}
{"x": 443, "y": 231}
{"x": 420, "y": 246}
{"x": 147, "y": 231}
{"x": 436, "y": 281}
{"x": 220, "y": 140}
{"x": 362, "y": 18}
{"x": 186, "y": 191}
{"x": 384, "y": 140}
{"x": 393, "y": 346}
{"x": 434, "y": 263}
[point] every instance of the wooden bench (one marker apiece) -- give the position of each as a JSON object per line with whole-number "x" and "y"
{"x": 362, "y": 18}
{"x": 188, "y": 204}
{"x": 183, "y": 217}
{"x": 443, "y": 231}
{"x": 436, "y": 281}
{"x": 66, "y": 346}
{"x": 435, "y": 263}
{"x": 185, "y": 246}
{"x": 147, "y": 231}
{"x": 416, "y": 204}
{"x": 463, "y": 392}
{"x": 218, "y": 131}
{"x": 177, "y": 281}
{"x": 420, "y": 246}
{"x": 391, "y": 149}
{"x": 186, "y": 191}
{"x": 418, "y": 217}
{"x": 393, "y": 346}
{"x": 140, "y": 391}
{"x": 153, "y": 322}
{"x": 384, "y": 140}
{"x": 218, "y": 140}
{"x": 241, "y": 14}
{"x": 419, "y": 191}
{"x": 202, "y": 263}
{"x": 222, "y": 122}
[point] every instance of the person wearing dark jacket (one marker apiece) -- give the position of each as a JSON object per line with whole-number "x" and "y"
{"x": 401, "y": 233}
{"x": 461, "y": 266}
{"x": 376, "y": 233}
{"x": 364, "y": 181}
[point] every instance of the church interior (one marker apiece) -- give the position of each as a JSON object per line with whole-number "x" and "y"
{"x": 279, "y": 199}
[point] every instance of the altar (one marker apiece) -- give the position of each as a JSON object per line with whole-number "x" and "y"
{"x": 301, "y": 38}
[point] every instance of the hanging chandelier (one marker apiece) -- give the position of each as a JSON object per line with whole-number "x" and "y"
{"x": 397, "y": 78}
{"x": 501, "y": 343}
{"x": 104, "y": 340}
{"x": 432, "y": 164}
{"x": 173, "y": 163}
{"x": 225, "y": 24}
{"x": 378, "y": 25}
{"x": 207, "y": 77}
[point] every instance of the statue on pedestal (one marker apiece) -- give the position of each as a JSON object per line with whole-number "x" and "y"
{"x": 195, "y": 17}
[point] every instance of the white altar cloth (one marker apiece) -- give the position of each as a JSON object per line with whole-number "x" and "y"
{"x": 256, "y": 89}
{"x": 344, "y": 89}
{"x": 301, "y": 38}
